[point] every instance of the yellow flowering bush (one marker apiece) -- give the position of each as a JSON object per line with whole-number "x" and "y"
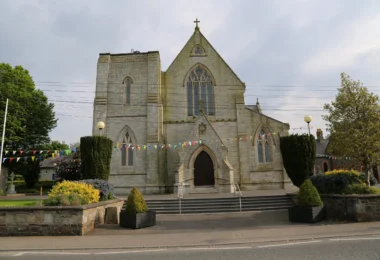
{"x": 86, "y": 191}
{"x": 349, "y": 172}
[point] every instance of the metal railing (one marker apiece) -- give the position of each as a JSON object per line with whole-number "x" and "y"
{"x": 181, "y": 189}
{"x": 237, "y": 191}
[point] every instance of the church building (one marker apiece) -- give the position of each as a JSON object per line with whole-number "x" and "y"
{"x": 188, "y": 124}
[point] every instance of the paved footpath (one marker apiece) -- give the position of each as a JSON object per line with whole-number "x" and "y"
{"x": 196, "y": 230}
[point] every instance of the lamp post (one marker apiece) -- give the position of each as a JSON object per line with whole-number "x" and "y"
{"x": 100, "y": 125}
{"x": 308, "y": 120}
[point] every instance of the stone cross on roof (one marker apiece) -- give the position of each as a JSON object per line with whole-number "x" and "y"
{"x": 196, "y": 22}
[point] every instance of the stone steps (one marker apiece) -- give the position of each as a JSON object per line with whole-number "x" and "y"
{"x": 220, "y": 205}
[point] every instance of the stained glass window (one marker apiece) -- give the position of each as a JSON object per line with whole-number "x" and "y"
{"x": 200, "y": 87}
{"x": 127, "y": 151}
{"x": 263, "y": 147}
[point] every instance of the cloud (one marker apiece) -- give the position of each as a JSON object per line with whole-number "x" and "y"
{"x": 283, "y": 50}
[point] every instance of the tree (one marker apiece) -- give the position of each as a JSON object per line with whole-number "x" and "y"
{"x": 353, "y": 121}
{"x": 298, "y": 155}
{"x": 30, "y": 116}
{"x": 96, "y": 153}
{"x": 54, "y": 146}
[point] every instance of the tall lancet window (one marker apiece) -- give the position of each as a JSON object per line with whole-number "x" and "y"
{"x": 127, "y": 92}
{"x": 127, "y": 151}
{"x": 263, "y": 147}
{"x": 200, "y": 87}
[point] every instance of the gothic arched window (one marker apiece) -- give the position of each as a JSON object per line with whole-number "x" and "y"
{"x": 200, "y": 90}
{"x": 263, "y": 148}
{"x": 127, "y": 151}
{"x": 127, "y": 93}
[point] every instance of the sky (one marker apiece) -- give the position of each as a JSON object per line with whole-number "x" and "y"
{"x": 290, "y": 53}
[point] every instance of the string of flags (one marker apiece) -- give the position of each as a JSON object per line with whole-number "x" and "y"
{"x": 333, "y": 157}
{"x": 188, "y": 143}
{"x": 18, "y": 155}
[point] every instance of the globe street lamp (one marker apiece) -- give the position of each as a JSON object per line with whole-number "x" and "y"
{"x": 100, "y": 125}
{"x": 308, "y": 120}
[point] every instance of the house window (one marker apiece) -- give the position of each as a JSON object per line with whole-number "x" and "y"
{"x": 127, "y": 93}
{"x": 263, "y": 148}
{"x": 200, "y": 92}
{"x": 127, "y": 151}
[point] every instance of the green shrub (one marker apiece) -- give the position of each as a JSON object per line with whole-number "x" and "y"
{"x": 135, "y": 202}
{"x": 360, "y": 189}
{"x": 96, "y": 153}
{"x": 71, "y": 199}
{"x": 334, "y": 183}
{"x": 298, "y": 154}
{"x": 2, "y": 193}
{"x": 308, "y": 195}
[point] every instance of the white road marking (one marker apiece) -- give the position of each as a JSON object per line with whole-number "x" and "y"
{"x": 49, "y": 253}
{"x": 134, "y": 251}
{"x": 214, "y": 248}
{"x": 291, "y": 244}
{"x": 354, "y": 238}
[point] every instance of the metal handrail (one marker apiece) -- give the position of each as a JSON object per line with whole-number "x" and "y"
{"x": 180, "y": 193}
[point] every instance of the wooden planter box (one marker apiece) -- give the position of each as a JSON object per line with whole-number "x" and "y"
{"x": 306, "y": 214}
{"x": 139, "y": 220}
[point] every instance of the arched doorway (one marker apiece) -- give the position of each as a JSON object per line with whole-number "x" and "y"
{"x": 325, "y": 167}
{"x": 203, "y": 170}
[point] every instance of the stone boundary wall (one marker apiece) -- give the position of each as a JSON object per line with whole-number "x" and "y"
{"x": 354, "y": 208}
{"x": 56, "y": 220}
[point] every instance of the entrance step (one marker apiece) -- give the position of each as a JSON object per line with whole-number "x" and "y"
{"x": 220, "y": 205}
{"x": 204, "y": 190}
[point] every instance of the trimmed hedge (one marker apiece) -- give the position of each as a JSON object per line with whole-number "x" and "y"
{"x": 96, "y": 153}
{"x": 135, "y": 202}
{"x": 298, "y": 155}
{"x": 360, "y": 189}
{"x": 308, "y": 195}
{"x": 335, "y": 183}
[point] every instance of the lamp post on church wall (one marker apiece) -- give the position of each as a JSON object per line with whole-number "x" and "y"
{"x": 308, "y": 120}
{"x": 100, "y": 125}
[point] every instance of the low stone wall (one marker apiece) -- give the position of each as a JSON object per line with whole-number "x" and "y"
{"x": 55, "y": 220}
{"x": 354, "y": 208}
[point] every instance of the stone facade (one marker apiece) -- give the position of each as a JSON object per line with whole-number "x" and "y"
{"x": 159, "y": 136}
{"x": 54, "y": 221}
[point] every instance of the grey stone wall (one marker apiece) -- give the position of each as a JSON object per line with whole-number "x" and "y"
{"x": 54, "y": 221}
{"x": 353, "y": 208}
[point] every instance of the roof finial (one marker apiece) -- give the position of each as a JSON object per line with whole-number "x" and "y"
{"x": 257, "y": 102}
{"x": 196, "y": 24}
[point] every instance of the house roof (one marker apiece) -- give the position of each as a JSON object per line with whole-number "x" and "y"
{"x": 253, "y": 108}
{"x": 49, "y": 163}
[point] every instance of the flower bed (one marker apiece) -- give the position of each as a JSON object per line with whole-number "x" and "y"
{"x": 56, "y": 220}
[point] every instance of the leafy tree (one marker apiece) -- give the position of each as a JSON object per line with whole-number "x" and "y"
{"x": 30, "y": 116}
{"x": 298, "y": 155}
{"x": 54, "y": 145}
{"x": 353, "y": 121}
{"x": 31, "y": 173}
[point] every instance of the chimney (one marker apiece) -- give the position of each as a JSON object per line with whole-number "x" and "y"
{"x": 319, "y": 134}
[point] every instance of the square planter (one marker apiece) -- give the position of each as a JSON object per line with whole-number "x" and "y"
{"x": 139, "y": 220}
{"x": 306, "y": 214}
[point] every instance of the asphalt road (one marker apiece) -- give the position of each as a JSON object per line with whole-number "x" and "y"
{"x": 345, "y": 248}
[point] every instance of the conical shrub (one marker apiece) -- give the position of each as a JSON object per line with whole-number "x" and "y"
{"x": 308, "y": 195}
{"x": 135, "y": 202}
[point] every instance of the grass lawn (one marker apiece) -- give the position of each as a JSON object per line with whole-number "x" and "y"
{"x": 17, "y": 203}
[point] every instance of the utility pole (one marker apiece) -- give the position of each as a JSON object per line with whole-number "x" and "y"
{"x": 3, "y": 137}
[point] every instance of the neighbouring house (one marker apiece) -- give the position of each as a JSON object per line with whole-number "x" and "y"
{"x": 48, "y": 167}
{"x": 189, "y": 124}
{"x": 326, "y": 161}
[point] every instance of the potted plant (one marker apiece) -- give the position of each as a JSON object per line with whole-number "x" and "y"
{"x": 136, "y": 214}
{"x": 309, "y": 207}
